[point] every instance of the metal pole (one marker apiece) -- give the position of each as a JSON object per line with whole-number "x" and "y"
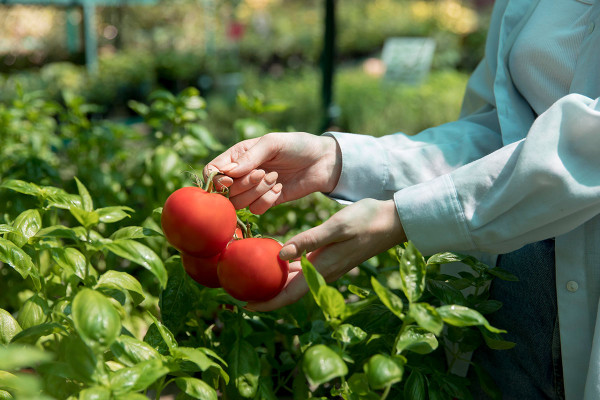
{"x": 91, "y": 41}
{"x": 328, "y": 66}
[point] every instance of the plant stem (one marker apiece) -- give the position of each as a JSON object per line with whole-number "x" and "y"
{"x": 386, "y": 392}
{"x": 208, "y": 184}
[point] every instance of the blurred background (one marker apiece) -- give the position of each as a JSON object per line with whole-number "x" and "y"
{"x": 109, "y": 52}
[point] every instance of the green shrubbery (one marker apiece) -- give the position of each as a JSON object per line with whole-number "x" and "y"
{"x": 94, "y": 304}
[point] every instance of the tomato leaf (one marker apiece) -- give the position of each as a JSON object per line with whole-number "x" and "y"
{"x": 463, "y": 316}
{"x": 139, "y": 254}
{"x": 412, "y": 272}
{"x": 86, "y": 200}
{"x": 414, "y": 388}
{"x": 388, "y": 298}
{"x": 26, "y": 225}
{"x": 417, "y": 340}
{"x": 196, "y": 388}
{"x": 244, "y": 368}
{"x": 313, "y": 278}
{"x": 9, "y": 327}
{"x": 134, "y": 232}
{"x": 321, "y": 364}
{"x": 177, "y": 298}
{"x": 123, "y": 282}
{"x": 113, "y": 214}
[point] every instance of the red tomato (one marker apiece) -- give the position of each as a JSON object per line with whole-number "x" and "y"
{"x": 250, "y": 269}
{"x": 198, "y": 223}
{"x": 202, "y": 270}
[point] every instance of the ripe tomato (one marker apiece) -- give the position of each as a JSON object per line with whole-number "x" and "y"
{"x": 198, "y": 223}
{"x": 250, "y": 269}
{"x": 202, "y": 270}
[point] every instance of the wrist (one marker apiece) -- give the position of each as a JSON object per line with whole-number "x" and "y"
{"x": 332, "y": 163}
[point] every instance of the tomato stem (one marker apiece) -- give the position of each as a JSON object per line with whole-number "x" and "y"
{"x": 244, "y": 227}
{"x": 208, "y": 185}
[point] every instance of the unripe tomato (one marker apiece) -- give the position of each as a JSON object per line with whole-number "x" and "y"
{"x": 250, "y": 269}
{"x": 202, "y": 270}
{"x": 198, "y": 223}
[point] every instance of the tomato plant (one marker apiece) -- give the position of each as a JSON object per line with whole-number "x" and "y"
{"x": 250, "y": 269}
{"x": 197, "y": 222}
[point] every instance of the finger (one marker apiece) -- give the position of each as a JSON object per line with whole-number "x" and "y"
{"x": 293, "y": 291}
{"x": 246, "y": 182}
{"x": 222, "y": 181}
{"x": 326, "y": 233}
{"x": 251, "y": 195}
{"x": 263, "y": 150}
{"x": 266, "y": 201}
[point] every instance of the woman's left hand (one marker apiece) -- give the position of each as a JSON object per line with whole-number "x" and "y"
{"x": 350, "y": 237}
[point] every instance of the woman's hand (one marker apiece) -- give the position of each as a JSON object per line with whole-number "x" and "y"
{"x": 350, "y": 237}
{"x": 276, "y": 168}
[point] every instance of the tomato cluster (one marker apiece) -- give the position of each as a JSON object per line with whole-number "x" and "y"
{"x": 203, "y": 227}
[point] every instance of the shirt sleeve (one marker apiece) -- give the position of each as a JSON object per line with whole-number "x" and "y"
{"x": 539, "y": 187}
{"x": 378, "y": 167}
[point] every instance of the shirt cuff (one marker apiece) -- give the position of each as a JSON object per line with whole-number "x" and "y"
{"x": 432, "y": 216}
{"x": 364, "y": 167}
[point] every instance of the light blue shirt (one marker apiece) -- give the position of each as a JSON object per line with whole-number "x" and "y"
{"x": 501, "y": 177}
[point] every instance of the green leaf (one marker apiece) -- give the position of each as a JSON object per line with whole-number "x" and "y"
{"x": 331, "y": 301}
{"x": 360, "y": 292}
{"x": 32, "y": 334}
{"x": 388, "y": 298}
{"x": 166, "y": 335}
{"x": 138, "y": 377}
{"x": 177, "y": 298}
{"x": 359, "y": 384}
{"x": 131, "y": 351}
{"x": 95, "y": 393}
{"x": 412, "y": 272}
{"x": 427, "y": 317}
{"x": 15, "y": 357}
{"x": 383, "y": 370}
{"x": 71, "y": 260}
{"x": 59, "y": 231}
{"x": 26, "y": 225}
{"x": 495, "y": 341}
{"x": 196, "y": 356}
{"x": 15, "y": 257}
{"x": 313, "y": 278}
{"x": 58, "y": 198}
{"x": 503, "y": 274}
{"x": 32, "y": 312}
{"x": 414, "y": 388}
{"x": 196, "y": 388}
{"x": 140, "y": 254}
{"x": 86, "y": 200}
{"x": 349, "y": 334}
{"x": 464, "y": 316}
{"x": 445, "y": 292}
{"x": 16, "y": 185}
{"x": 134, "y": 232}
{"x": 4, "y": 228}
{"x": 488, "y": 306}
{"x": 97, "y": 321}
{"x": 113, "y": 214}
{"x": 9, "y": 327}
{"x": 122, "y": 281}
{"x": 83, "y": 364}
{"x": 417, "y": 340}
{"x": 85, "y": 218}
{"x": 244, "y": 368}
{"x": 321, "y": 364}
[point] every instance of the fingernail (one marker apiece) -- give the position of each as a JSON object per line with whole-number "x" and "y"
{"x": 271, "y": 177}
{"x": 288, "y": 251}
{"x": 277, "y": 188}
{"x": 229, "y": 167}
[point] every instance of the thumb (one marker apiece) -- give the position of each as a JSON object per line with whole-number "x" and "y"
{"x": 310, "y": 240}
{"x": 263, "y": 150}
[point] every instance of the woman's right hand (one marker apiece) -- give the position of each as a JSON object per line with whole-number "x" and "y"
{"x": 276, "y": 168}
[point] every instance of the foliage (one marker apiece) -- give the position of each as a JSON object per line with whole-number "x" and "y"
{"x": 95, "y": 304}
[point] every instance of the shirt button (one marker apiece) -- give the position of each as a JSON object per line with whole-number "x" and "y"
{"x": 572, "y": 286}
